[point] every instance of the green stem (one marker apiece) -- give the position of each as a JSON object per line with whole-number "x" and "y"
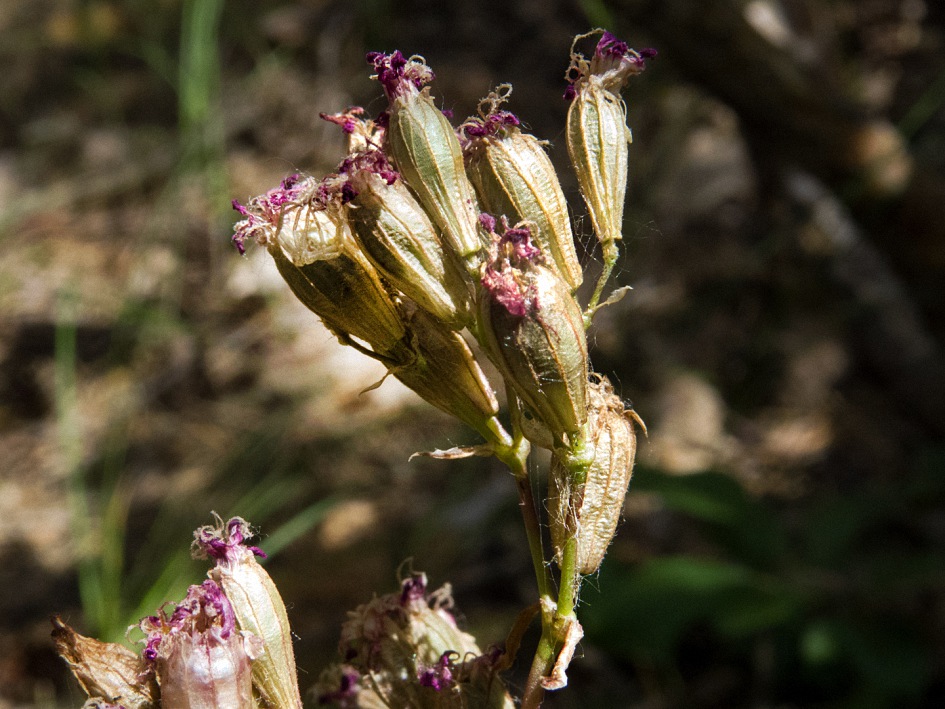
{"x": 578, "y": 460}
{"x": 611, "y": 252}
{"x": 542, "y": 663}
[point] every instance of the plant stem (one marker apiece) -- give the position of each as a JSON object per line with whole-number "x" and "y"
{"x": 611, "y": 252}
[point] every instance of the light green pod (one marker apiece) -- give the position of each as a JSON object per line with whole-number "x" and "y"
{"x": 513, "y": 176}
{"x": 443, "y": 370}
{"x": 598, "y": 139}
{"x": 533, "y": 331}
{"x": 402, "y": 243}
{"x": 421, "y": 143}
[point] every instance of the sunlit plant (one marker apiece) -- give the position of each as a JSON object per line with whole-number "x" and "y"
{"x": 429, "y": 248}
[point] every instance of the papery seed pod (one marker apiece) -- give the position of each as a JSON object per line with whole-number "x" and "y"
{"x": 109, "y": 673}
{"x": 401, "y": 241}
{"x": 533, "y": 331}
{"x": 597, "y": 132}
{"x": 442, "y": 369}
{"x": 590, "y": 511}
{"x": 318, "y": 257}
{"x": 513, "y": 176}
{"x": 421, "y": 142}
{"x": 405, "y": 650}
{"x": 201, "y": 659}
{"x": 257, "y": 606}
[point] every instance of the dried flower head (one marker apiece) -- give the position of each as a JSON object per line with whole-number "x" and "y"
{"x": 109, "y": 673}
{"x": 533, "y": 330}
{"x": 423, "y": 147}
{"x": 597, "y": 133}
{"x": 404, "y": 650}
{"x": 513, "y": 176}
{"x": 257, "y": 607}
{"x": 200, "y": 658}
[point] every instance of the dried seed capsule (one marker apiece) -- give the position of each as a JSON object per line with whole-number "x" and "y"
{"x": 317, "y": 255}
{"x": 257, "y": 607}
{"x": 590, "y": 511}
{"x": 442, "y": 369}
{"x": 513, "y": 176}
{"x": 201, "y": 659}
{"x": 400, "y": 240}
{"x": 597, "y": 133}
{"x": 421, "y": 142}
{"x": 533, "y": 331}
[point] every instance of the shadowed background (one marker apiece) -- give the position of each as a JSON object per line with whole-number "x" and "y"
{"x": 784, "y": 542}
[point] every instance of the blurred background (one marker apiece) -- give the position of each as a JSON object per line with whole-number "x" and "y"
{"x": 784, "y": 541}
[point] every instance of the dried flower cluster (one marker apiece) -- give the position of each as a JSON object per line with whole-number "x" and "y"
{"x": 426, "y": 240}
{"x": 426, "y": 233}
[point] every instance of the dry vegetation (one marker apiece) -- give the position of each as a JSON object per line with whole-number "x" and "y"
{"x": 786, "y": 245}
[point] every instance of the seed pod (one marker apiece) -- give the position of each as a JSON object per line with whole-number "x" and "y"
{"x": 421, "y": 142}
{"x": 533, "y": 331}
{"x": 442, "y": 369}
{"x": 257, "y": 606}
{"x": 401, "y": 242}
{"x": 316, "y": 253}
{"x": 597, "y": 132}
{"x": 590, "y": 511}
{"x": 201, "y": 659}
{"x": 513, "y": 176}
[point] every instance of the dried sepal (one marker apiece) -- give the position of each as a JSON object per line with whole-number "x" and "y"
{"x": 533, "y": 331}
{"x": 590, "y": 511}
{"x": 257, "y": 606}
{"x": 421, "y": 142}
{"x": 109, "y": 673}
{"x": 513, "y": 175}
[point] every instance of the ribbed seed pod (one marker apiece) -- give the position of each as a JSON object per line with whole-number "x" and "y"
{"x": 533, "y": 331}
{"x": 443, "y": 370}
{"x": 401, "y": 241}
{"x": 421, "y": 142}
{"x": 597, "y": 132}
{"x": 513, "y": 175}
{"x": 590, "y": 512}
{"x": 320, "y": 260}
{"x": 257, "y": 606}
{"x": 317, "y": 255}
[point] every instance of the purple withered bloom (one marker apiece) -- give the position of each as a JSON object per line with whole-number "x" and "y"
{"x": 512, "y": 252}
{"x": 398, "y": 75}
{"x": 613, "y": 63}
{"x": 346, "y": 693}
{"x": 413, "y": 589}
{"x": 261, "y": 215}
{"x": 440, "y": 676}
